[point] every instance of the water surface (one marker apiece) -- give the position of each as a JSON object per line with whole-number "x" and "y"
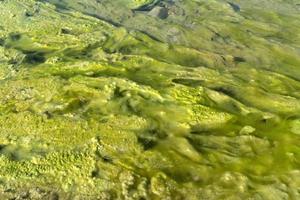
{"x": 150, "y": 99}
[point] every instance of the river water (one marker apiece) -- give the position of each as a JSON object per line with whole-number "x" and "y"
{"x": 150, "y": 99}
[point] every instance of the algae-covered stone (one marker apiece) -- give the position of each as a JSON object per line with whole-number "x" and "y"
{"x": 295, "y": 126}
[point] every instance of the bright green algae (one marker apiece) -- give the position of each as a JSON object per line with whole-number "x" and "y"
{"x": 106, "y": 100}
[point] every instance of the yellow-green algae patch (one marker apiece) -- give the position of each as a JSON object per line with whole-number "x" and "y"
{"x": 149, "y": 99}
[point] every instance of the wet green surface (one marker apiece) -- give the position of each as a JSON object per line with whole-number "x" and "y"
{"x": 127, "y": 99}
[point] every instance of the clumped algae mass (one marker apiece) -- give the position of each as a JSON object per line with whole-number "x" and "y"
{"x": 150, "y": 99}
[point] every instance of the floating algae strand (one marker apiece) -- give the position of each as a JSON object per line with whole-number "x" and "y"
{"x": 150, "y": 99}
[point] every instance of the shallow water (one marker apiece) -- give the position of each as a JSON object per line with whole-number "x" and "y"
{"x": 150, "y": 99}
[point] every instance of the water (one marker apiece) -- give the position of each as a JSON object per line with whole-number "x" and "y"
{"x": 149, "y": 99}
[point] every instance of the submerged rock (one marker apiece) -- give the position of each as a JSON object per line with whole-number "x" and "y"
{"x": 235, "y": 6}
{"x": 160, "y": 12}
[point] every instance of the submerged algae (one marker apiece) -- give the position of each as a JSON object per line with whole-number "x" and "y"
{"x": 104, "y": 100}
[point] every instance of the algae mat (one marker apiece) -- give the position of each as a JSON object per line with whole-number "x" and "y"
{"x": 150, "y": 99}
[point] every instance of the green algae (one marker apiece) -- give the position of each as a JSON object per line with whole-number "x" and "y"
{"x": 104, "y": 100}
